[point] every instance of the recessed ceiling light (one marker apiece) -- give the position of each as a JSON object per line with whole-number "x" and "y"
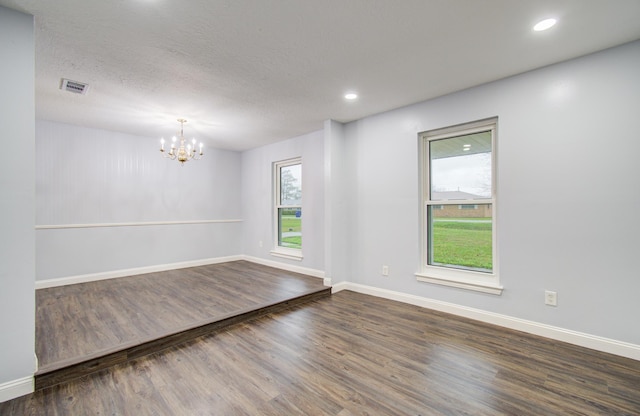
{"x": 351, "y": 96}
{"x": 544, "y": 25}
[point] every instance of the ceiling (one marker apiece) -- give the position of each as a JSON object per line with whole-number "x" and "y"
{"x": 245, "y": 73}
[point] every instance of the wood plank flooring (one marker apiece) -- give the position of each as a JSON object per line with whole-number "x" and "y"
{"x": 353, "y": 354}
{"x": 84, "y": 327}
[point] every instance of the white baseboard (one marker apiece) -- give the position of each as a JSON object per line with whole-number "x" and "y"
{"x": 602, "y": 344}
{"x": 16, "y": 388}
{"x": 62, "y": 281}
{"x": 290, "y": 267}
{"x": 92, "y": 277}
{"x": 343, "y": 286}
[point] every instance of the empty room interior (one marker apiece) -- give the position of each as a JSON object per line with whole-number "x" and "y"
{"x": 320, "y": 207}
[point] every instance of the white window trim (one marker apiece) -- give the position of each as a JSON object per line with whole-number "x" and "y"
{"x": 279, "y": 251}
{"x": 459, "y": 278}
{"x": 287, "y": 253}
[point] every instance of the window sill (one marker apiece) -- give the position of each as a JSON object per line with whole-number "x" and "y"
{"x": 479, "y": 282}
{"x": 287, "y": 254}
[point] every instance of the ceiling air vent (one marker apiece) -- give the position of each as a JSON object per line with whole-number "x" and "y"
{"x": 74, "y": 86}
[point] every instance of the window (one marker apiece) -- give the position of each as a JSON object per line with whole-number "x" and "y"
{"x": 288, "y": 209}
{"x": 458, "y": 207}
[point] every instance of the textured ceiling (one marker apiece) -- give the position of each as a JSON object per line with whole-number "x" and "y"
{"x": 250, "y": 72}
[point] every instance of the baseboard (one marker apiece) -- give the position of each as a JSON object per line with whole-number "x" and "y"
{"x": 597, "y": 343}
{"x": 62, "y": 281}
{"x": 16, "y": 388}
{"x": 289, "y": 267}
{"x": 342, "y": 286}
{"x": 92, "y": 277}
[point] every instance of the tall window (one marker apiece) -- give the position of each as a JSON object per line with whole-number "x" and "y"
{"x": 288, "y": 208}
{"x": 458, "y": 233}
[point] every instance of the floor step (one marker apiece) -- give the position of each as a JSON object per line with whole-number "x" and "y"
{"x": 64, "y": 371}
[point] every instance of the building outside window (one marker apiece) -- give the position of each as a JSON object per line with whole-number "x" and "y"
{"x": 458, "y": 207}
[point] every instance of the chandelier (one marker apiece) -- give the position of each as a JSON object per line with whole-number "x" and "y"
{"x": 184, "y": 152}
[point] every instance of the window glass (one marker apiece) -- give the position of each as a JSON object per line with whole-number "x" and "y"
{"x": 458, "y": 241}
{"x": 460, "y": 167}
{"x": 290, "y": 227}
{"x": 459, "y": 204}
{"x": 291, "y": 185}
{"x": 288, "y": 207}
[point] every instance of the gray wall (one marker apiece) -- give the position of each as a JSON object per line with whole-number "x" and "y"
{"x": 92, "y": 177}
{"x": 257, "y": 198}
{"x": 17, "y": 179}
{"x": 567, "y": 160}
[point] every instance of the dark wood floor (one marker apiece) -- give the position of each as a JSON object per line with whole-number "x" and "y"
{"x": 78, "y": 322}
{"x": 352, "y": 354}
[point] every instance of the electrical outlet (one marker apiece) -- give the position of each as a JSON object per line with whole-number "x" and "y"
{"x": 550, "y": 298}
{"x": 385, "y": 270}
{"x": 260, "y": 243}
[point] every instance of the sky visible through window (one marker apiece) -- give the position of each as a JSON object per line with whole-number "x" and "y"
{"x": 291, "y": 185}
{"x": 470, "y": 174}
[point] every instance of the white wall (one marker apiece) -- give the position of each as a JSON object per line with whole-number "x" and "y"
{"x": 257, "y": 198}
{"x": 17, "y": 178}
{"x": 339, "y": 183}
{"x": 568, "y": 193}
{"x": 94, "y": 177}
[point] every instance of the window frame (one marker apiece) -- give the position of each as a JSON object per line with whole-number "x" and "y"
{"x": 278, "y": 250}
{"x": 487, "y": 282}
